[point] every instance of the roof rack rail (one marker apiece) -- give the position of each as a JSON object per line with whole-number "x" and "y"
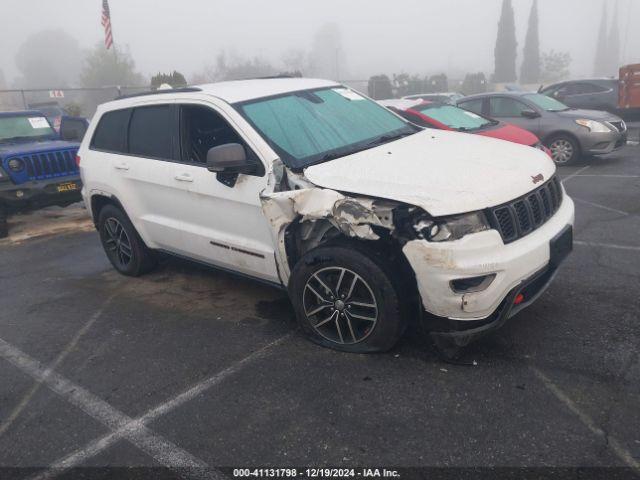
{"x": 158, "y": 92}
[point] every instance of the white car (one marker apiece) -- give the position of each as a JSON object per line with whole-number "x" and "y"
{"x": 367, "y": 220}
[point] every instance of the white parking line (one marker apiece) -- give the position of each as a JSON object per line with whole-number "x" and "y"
{"x": 71, "y": 345}
{"x": 575, "y": 174}
{"x": 597, "y": 205}
{"x": 161, "y": 449}
{"x": 603, "y": 175}
{"x": 621, "y": 452}
{"x": 134, "y": 427}
{"x": 607, "y": 245}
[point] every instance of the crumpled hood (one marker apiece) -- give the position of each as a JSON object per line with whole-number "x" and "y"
{"x": 442, "y": 172}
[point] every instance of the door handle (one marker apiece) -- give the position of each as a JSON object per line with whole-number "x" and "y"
{"x": 121, "y": 166}
{"x": 184, "y": 177}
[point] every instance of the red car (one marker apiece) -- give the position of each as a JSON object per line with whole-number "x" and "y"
{"x": 449, "y": 117}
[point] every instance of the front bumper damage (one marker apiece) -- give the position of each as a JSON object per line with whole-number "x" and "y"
{"x": 521, "y": 266}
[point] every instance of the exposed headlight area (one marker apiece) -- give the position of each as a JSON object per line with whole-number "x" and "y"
{"x": 594, "y": 126}
{"x": 451, "y": 228}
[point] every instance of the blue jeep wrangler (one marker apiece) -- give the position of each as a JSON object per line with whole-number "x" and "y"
{"x": 37, "y": 165}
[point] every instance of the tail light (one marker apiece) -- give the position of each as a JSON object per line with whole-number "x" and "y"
{"x": 78, "y": 160}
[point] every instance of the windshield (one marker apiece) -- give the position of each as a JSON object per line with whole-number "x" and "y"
{"x": 546, "y": 103}
{"x": 25, "y": 128}
{"x": 454, "y": 117}
{"x": 313, "y": 126}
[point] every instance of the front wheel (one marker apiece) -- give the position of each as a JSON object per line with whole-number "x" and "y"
{"x": 564, "y": 149}
{"x": 346, "y": 300}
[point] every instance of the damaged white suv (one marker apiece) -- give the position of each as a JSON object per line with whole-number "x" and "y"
{"x": 367, "y": 220}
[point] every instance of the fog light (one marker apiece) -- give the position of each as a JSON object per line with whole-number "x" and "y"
{"x": 472, "y": 284}
{"x": 519, "y": 299}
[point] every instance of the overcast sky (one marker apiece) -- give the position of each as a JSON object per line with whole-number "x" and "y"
{"x": 416, "y": 36}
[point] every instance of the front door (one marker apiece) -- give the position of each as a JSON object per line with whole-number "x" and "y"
{"x": 510, "y": 110}
{"x": 224, "y": 225}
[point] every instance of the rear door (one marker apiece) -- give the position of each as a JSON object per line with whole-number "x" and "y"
{"x": 224, "y": 224}
{"x": 144, "y": 176}
{"x": 510, "y": 110}
{"x": 629, "y": 95}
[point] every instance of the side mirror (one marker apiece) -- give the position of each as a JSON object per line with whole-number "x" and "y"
{"x": 73, "y": 129}
{"x": 228, "y": 158}
{"x": 530, "y": 114}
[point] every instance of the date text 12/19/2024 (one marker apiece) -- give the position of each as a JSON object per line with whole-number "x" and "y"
{"x": 315, "y": 473}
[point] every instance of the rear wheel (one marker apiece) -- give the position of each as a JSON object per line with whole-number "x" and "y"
{"x": 124, "y": 248}
{"x": 346, "y": 300}
{"x": 564, "y": 149}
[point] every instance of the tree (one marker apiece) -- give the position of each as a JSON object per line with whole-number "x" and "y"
{"x": 48, "y": 59}
{"x": 380, "y": 88}
{"x": 506, "y": 50}
{"x": 602, "y": 47}
{"x": 326, "y": 58}
{"x": 295, "y": 60}
{"x": 438, "y": 83}
{"x": 613, "y": 47}
{"x": 530, "y": 70}
{"x": 555, "y": 66}
{"x": 104, "y": 68}
{"x": 474, "y": 83}
{"x": 175, "y": 79}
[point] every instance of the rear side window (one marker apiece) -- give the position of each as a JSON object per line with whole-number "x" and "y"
{"x": 150, "y": 132}
{"x": 472, "y": 105}
{"x": 111, "y": 132}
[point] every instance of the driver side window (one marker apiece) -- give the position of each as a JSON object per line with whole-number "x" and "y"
{"x": 201, "y": 129}
{"x": 506, "y": 107}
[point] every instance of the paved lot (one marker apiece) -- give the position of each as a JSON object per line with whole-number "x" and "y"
{"x": 192, "y": 367}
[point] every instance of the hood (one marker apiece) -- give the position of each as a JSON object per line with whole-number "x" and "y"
{"x": 511, "y": 133}
{"x": 24, "y": 148}
{"x": 442, "y": 172}
{"x": 598, "y": 115}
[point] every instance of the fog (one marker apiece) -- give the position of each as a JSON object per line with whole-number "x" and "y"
{"x": 413, "y": 36}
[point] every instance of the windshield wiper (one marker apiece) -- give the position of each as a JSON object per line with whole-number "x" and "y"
{"x": 388, "y": 138}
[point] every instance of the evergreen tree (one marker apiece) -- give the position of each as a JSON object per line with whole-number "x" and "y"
{"x": 613, "y": 47}
{"x": 530, "y": 70}
{"x": 600, "y": 66}
{"x": 506, "y": 49}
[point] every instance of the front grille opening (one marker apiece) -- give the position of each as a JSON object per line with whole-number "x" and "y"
{"x": 41, "y": 166}
{"x": 523, "y": 215}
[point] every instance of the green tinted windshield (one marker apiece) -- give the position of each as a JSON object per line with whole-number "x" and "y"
{"x": 454, "y": 117}
{"x": 24, "y": 128}
{"x": 317, "y": 125}
{"x": 546, "y": 103}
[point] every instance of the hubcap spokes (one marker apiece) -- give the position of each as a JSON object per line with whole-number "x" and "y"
{"x": 340, "y": 305}
{"x": 117, "y": 242}
{"x": 561, "y": 151}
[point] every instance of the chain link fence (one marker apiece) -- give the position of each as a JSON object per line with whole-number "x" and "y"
{"x": 74, "y": 101}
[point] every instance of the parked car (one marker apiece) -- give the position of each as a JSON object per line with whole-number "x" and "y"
{"x": 594, "y": 94}
{"x": 52, "y": 111}
{"x": 567, "y": 132}
{"x": 449, "y": 117}
{"x": 446, "y": 97}
{"x": 309, "y": 186}
{"x": 37, "y": 166}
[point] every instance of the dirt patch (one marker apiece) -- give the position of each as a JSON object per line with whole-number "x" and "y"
{"x": 48, "y": 221}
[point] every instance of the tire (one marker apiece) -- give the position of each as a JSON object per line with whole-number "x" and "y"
{"x": 361, "y": 314}
{"x": 123, "y": 246}
{"x": 564, "y": 149}
{"x": 4, "y": 226}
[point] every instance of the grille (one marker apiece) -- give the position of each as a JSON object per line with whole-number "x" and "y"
{"x": 620, "y": 126}
{"x": 523, "y": 215}
{"x": 40, "y": 166}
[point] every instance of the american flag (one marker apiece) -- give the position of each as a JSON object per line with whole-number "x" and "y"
{"x": 106, "y": 23}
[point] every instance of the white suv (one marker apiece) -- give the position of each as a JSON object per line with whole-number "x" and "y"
{"x": 367, "y": 220}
